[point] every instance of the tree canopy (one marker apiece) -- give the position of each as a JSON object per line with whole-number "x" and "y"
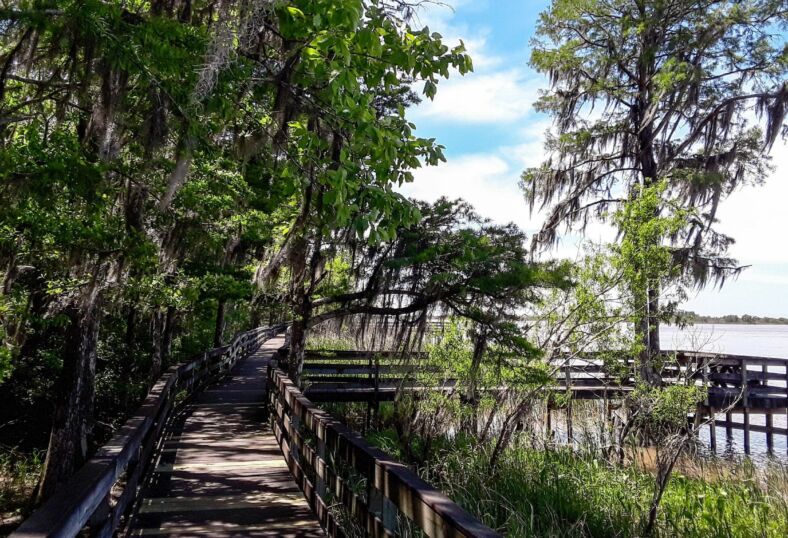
{"x": 173, "y": 171}
{"x": 157, "y": 156}
{"x": 691, "y": 93}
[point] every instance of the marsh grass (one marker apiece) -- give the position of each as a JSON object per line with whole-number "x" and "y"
{"x": 330, "y": 343}
{"x": 551, "y": 484}
{"x": 560, "y": 492}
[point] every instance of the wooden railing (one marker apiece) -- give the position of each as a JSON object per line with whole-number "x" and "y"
{"x": 736, "y": 384}
{"x": 738, "y": 380}
{"x": 351, "y": 485}
{"x": 102, "y": 491}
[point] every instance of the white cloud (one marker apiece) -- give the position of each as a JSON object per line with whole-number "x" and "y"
{"x": 529, "y": 151}
{"x": 490, "y": 182}
{"x": 488, "y": 95}
{"x": 496, "y": 97}
{"x": 439, "y": 17}
{"x": 485, "y": 180}
{"x": 756, "y": 216}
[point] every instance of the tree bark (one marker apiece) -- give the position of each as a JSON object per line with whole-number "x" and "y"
{"x": 302, "y": 310}
{"x": 127, "y": 368}
{"x": 169, "y": 333}
{"x": 653, "y": 321}
{"x": 471, "y": 396}
{"x": 646, "y": 372}
{"x": 157, "y": 332}
{"x": 73, "y": 417}
{"x": 131, "y": 326}
{"x": 218, "y": 332}
{"x": 295, "y": 359}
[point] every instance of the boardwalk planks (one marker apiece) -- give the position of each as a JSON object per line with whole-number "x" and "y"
{"x": 100, "y": 493}
{"x": 220, "y": 471}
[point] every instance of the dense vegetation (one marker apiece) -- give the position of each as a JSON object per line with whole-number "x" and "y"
{"x": 540, "y": 485}
{"x": 165, "y": 168}
{"x": 174, "y": 171}
{"x": 558, "y": 492}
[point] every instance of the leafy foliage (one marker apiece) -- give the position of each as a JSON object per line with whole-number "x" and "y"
{"x": 160, "y": 160}
{"x": 693, "y": 96}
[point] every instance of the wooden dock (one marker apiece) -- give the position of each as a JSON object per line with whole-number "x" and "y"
{"x": 219, "y": 470}
{"x": 735, "y": 384}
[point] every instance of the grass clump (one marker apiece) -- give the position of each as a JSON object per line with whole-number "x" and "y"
{"x": 558, "y": 492}
{"x": 18, "y": 478}
{"x": 319, "y": 343}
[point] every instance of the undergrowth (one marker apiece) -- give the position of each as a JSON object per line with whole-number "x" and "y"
{"x": 18, "y": 477}
{"x": 557, "y": 492}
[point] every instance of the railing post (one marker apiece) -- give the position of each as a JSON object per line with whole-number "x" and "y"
{"x": 380, "y": 507}
{"x": 569, "y": 426}
{"x": 785, "y": 367}
{"x": 389, "y": 516}
{"x": 268, "y": 411}
{"x": 548, "y": 421}
{"x": 320, "y": 481}
{"x": 769, "y": 419}
{"x": 713, "y": 429}
{"x": 99, "y": 517}
{"x": 295, "y": 422}
{"x": 706, "y": 381}
{"x": 745, "y": 405}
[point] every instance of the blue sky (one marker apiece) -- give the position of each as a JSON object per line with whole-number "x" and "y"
{"x": 491, "y": 133}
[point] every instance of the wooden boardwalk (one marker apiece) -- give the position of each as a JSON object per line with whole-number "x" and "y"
{"x": 211, "y": 465}
{"x": 220, "y": 471}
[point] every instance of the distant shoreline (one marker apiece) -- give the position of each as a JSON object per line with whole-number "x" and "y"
{"x": 732, "y": 319}
{"x": 690, "y": 324}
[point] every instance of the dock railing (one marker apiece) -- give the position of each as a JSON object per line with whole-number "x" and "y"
{"x": 743, "y": 380}
{"x": 97, "y": 497}
{"x": 350, "y": 484}
{"x": 736, "y": 384}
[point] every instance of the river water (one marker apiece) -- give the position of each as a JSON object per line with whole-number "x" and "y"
{"x": 756, "y": 340}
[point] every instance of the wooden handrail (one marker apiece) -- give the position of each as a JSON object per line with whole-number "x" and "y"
{"x": 321, "y": 453}
{"x": 349, "y": 376}
{"x": 87, "y": 500}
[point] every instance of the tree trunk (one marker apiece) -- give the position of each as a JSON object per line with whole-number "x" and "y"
{"x": 157, "y": 356}
{"x": 302, "y": 308}
{"x": 665, "y": 465}
{"x": 507, "y": 430}
{"x": 169, "y": 332}
{"x": 295, "y": 359}
{"x": 127, "y": 369}
{"x": 298, "y": 334}
{"x": 218, "y": 332}
{"x": 471, "y": 396}
{"x": 653, "y": 321}
{"x": 130, "y": 336}
{"x": 73, "y": 417}
{"x": 645, "y": 367}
